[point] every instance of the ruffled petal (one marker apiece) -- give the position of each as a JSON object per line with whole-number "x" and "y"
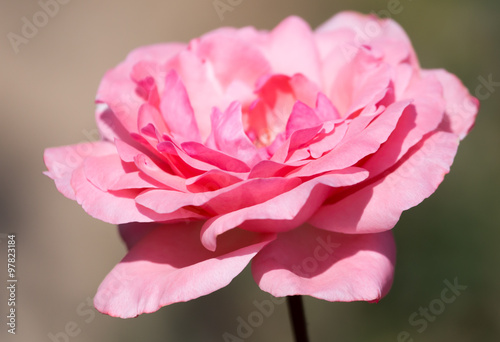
{"x": 325, "y": 265}
{"x": 118, "y": 90}
{"x": 356, "y": 146}
{"x": 177, "y": 111}
{"x": 377, "y": 205}
{"x": 159, "y": 270}
{"x": 461, "y": 107}
{"x": 293, "y": 37}
{"x": 117, "y": 207}
{"x": 61, "y": 162}
{"x": 228, "y": 135}
{"x": 224, "y": 200}
{"x": 283, "y": 212}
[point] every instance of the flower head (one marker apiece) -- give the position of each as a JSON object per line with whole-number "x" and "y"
{"x": 295, "y": 149}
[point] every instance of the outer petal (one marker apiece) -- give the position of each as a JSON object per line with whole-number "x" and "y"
{"x": 234, "y": 197}
{"x": 117, "y": 207}
{"x": 384, "y": 34}
{"x": 170, "y": 265}
{"x": 283, "y": 212}
{"x": 63, "y": 161}
{"x": 356, "y": 146}
{"x": 330, "y": 266}
{"x": 461, "y": 107}
{"x": 377, "y": 205}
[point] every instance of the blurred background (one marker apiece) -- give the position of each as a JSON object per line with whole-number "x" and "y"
{"x": 47, "y": 90}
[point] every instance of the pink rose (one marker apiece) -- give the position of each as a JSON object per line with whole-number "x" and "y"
{"x": 295, "y": 149}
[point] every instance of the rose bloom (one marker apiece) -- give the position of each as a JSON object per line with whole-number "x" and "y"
{"x": 295, "y": 149}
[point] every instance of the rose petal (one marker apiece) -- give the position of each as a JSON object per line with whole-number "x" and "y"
{"x": 293, "y": 37}
{"x": 377, "y": 205}
{"x": 117, "y": 89}
{"x": 233, "y": 197}
{"x": 117, "y": 207}
{"x": 229, "y": 137}
{"x": 363, "y": 80}
{"x": 370, "y": 30}
{"x": 461, "y": 107}
{"x": 329, "y": 266}
{"x": 61, "y": 162}
{"x": 357, "y": 146}
{"x": 177, "y": 111}
{"x": 283, "y": 212}
{"x": 231, "y": 57}
{"x": 214, "y": 158}
{"x": 104, "y": 171}
{"x": 159, "y": 269}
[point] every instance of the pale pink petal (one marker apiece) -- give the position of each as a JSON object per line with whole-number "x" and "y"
{"x": 202, "y": 88}
{"x": 296, "y": 139}
{"x": 325, "y": 110}
{"x": 377, "y": 205}
{"x": 461, "y": 107}
{"x": 325, "y": 265}
{"x": 117, "y": 89}
{"x": 283, "y": 212}
{"x": 231, "y": 58}
{"x": 149, "y": 115}
{"x": 183, "y": 161}
{"x": 159, "y": 270}
{"x": 422, "y": 117}
{"x": 229, "y": 137}
{"x": 177, "y": 111}
{"x": 127, "y": 152}
{"x": 105, "y": 171}
{"x": 213, "y": 180}
{"x": 61, "y": 162}
{"x": 117, "y": 207}
{"x": 301, "y": 117}
{"x": 224, "y": 200}
{"x": 269, "y": 168}
{"x": 357, "y": 146}
{"x": 363, "y": 80}
{"x": 293, "y": 37}
{"x": 327, "y": 141}
{"x": 370, "y": 30}
{"x": 152, "y": 170}
{"x": 135, "y": 180}
{"x": 214, "y": 158}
